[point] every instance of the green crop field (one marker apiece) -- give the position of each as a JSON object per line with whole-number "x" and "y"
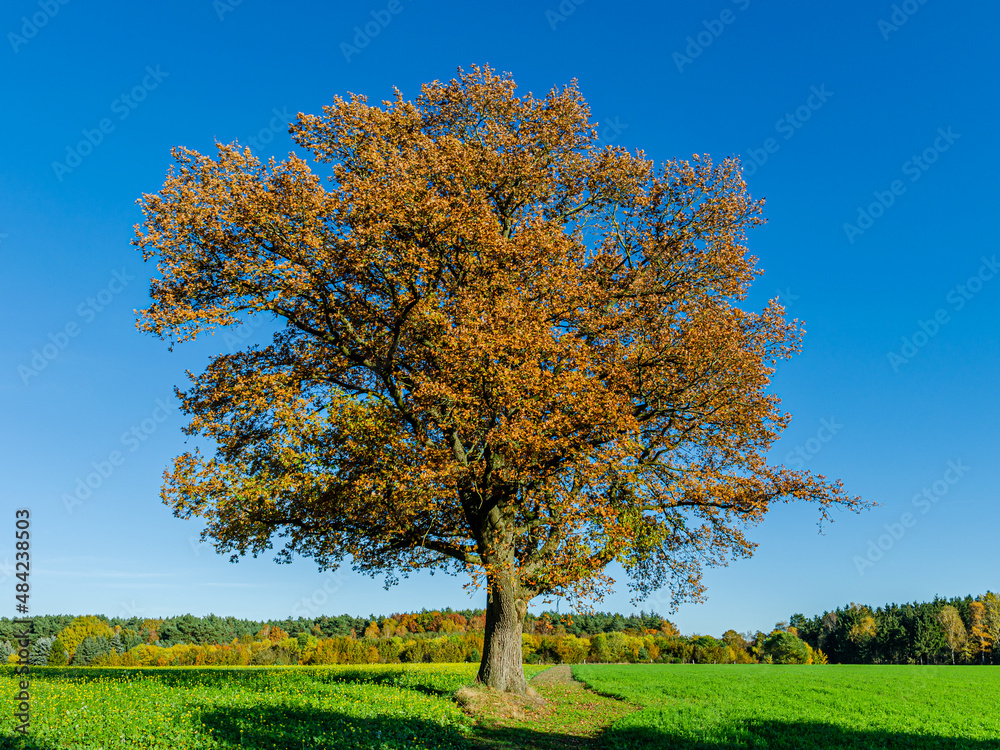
{"x": 373, "y": 706}
{"x": 413, "y": 706}
{"x": 801, "y": 707}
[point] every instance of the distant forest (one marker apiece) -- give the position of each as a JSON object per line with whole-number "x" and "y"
{"x": 943, "y": 631}
{"x": 211, "y": 629}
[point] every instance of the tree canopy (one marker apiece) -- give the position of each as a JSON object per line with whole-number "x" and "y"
{"x": 505, "y": 350}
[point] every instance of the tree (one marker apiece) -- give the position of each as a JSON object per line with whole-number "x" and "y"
{"x": 738, "y": 644}
{"x": 90, "y": 648}
{"x": 991, "y": 618}
{"x": 929, "y": 640}
{"x": 891, "y": 639}
{"x": 786, "y": 648}
{"x": 828, "y": 630}
{"x": 708, "y": 650}
{"x": 953, "y": 629}
{"x": 502, "y": 350}
{"x": 861, "y": 632}
{"x": 40, "y": 650}
{"x": 58, "y": 655}
{"x": 979, "y": 635}
{"x": 81, "y": 628}
{"x": 668, "y": 629}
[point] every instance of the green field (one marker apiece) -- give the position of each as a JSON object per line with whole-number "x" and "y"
{"x": 413, "y": 706}
{"x": 801, "y": 707}
{"x": 374, "y": 706}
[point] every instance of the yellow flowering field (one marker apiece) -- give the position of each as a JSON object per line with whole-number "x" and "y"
{"x": 335, "y": 707}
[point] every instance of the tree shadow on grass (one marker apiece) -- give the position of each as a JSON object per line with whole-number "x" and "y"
{"x": 294, "y": 728}
{"x": 788, "y": 735}
{"x": 214, "y": 676}
{"x": 505, "y": 738}
{"x": 398, "y": 677}
{"x": 250, "y": 677}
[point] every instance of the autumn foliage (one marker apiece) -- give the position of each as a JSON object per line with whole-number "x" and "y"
{"x": 960, "y": 630}
{"x": 505, "y": 350}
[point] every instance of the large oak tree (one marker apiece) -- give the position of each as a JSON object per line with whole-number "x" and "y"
{"x": 504, "y": 350}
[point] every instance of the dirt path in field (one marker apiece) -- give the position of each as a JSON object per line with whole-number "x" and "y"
{"x": 561, "y": 674}
{"x": 571, "y": 718}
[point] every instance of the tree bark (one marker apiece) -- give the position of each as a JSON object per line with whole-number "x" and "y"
{"x": 501, "y": 667}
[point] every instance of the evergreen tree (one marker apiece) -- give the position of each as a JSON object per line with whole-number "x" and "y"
{"x": 58, "y": 657}
{"x": 39, "y": 652}
{"x": 91, "y": 648}
{"x": 930, "y": 641}
{"x": 892, "y": 641}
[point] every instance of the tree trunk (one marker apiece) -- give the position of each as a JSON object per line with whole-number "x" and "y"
{"x": 501, "y": 667}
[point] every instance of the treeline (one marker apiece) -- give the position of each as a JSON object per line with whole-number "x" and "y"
{"x": 93, "y": 641}
{"x": 191, "y": 630}
{"x": 426, "y": 636}
{"x": 943, "y": 631}
{"x": 952, "y": 631}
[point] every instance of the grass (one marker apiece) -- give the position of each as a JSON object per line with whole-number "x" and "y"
{"x": 570, "y": 717}
{"x": 433, "y": 707}
{"x": 380, "y": 706}
{"x": 801, "y": 708}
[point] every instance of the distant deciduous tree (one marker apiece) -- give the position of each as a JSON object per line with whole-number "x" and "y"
{"x": 83, "y": 627}
{"x": 786, "y": 648}
{"x": 953, "y": 629}
{"x": 979, "y": 634}
{"x": 991, "y": 619}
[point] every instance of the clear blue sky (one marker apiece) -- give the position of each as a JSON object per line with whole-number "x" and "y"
{"x": 833, "y": 107}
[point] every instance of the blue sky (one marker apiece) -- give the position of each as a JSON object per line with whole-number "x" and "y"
{"x": 866, "y": 126}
